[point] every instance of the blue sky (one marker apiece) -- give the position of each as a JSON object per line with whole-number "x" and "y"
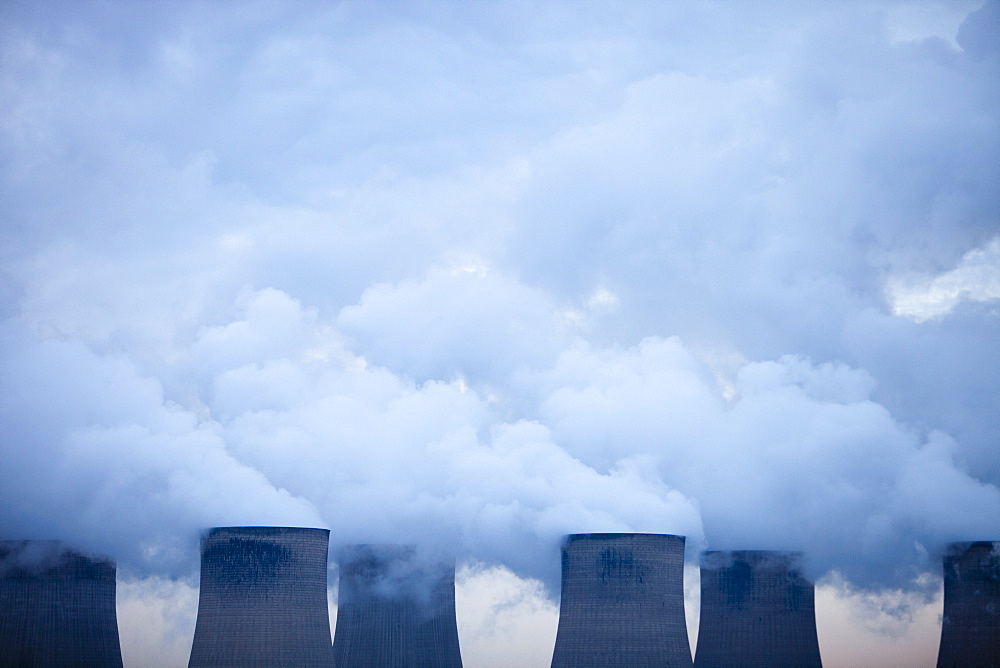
{"x": 484, "y": 274}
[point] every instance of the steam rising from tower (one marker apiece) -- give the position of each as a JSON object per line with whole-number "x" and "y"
{"x": 622, "y": 601}
{"x": 263, "y": 598}
{"x": 57, "y": 607}
{"x": 970, "y": 629}
{"x": 395, "y": 608}
{"x": 756, "y": 610}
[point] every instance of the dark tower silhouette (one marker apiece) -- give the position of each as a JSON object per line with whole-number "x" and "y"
{"x": 622, "y": 602}
{"x": 970, "y": 628}
{"x": 57, "y": 607}
{"x": 395, "y": 609}
{"x": 756, "y": 610}
{"x": 263, "y": 598}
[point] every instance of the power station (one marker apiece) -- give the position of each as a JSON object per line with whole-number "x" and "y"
{"x": 396, "y": 609}
{"x": 57, "y": 607}
{"x": 756, "y": 610}
{"x": 263, "y": 602}
{"x": 263, "y": 598}
{"x": 622, "y": 602}
{"x": 970, "y": 627}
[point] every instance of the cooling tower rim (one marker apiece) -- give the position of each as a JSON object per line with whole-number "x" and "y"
{"x": 570, "y": 537}
{"x": 402, "y": 552}
{"x": 351, "y": 551}
{"x": 52, "y": 558}
{"x": 263, "y": 530}
{"x": 792, "y": 561}
{"x": 963, "y": 545}
{"x": 793, "y": 553}
{"x": 974, "y": 549}
{"x": 55, "y": 544}
{"x": 263, "y": 533}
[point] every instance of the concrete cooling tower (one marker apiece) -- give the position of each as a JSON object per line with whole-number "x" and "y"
{"x": 395, "y": 609}
{"x": 263, "y": 598}
{"x": 57, "y": 607}
{"x": 756, "y": 610}
{"x": 622, "y": 602}
{"x": 970, "y": 628}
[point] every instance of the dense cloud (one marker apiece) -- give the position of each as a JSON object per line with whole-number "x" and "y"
{"x": 482, "y": 277}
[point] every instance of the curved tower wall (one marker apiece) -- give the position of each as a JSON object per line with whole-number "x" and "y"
{"x": 970, "y": 627}
{"x": 395, "y": 609}
{"x": 756, "y": 610}
{"x": 622, "y": 602}
{"x": 263, "y": 598}
{"x": 57, "y": 607}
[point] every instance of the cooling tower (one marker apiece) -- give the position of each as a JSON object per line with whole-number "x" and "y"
{"x": 57, "y": 607}
{"x": 263, "y": 598}
{"x": 756, "y": 610}
{"x": 395, "y": 609}
{"x": 622, "y": 602}
{"x": 970, "y": 628}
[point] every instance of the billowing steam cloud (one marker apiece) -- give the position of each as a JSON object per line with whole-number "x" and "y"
{"x": 482, "y": 277}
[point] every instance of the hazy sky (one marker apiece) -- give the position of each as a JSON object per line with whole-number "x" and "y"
{"x": 483, "y": 274}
